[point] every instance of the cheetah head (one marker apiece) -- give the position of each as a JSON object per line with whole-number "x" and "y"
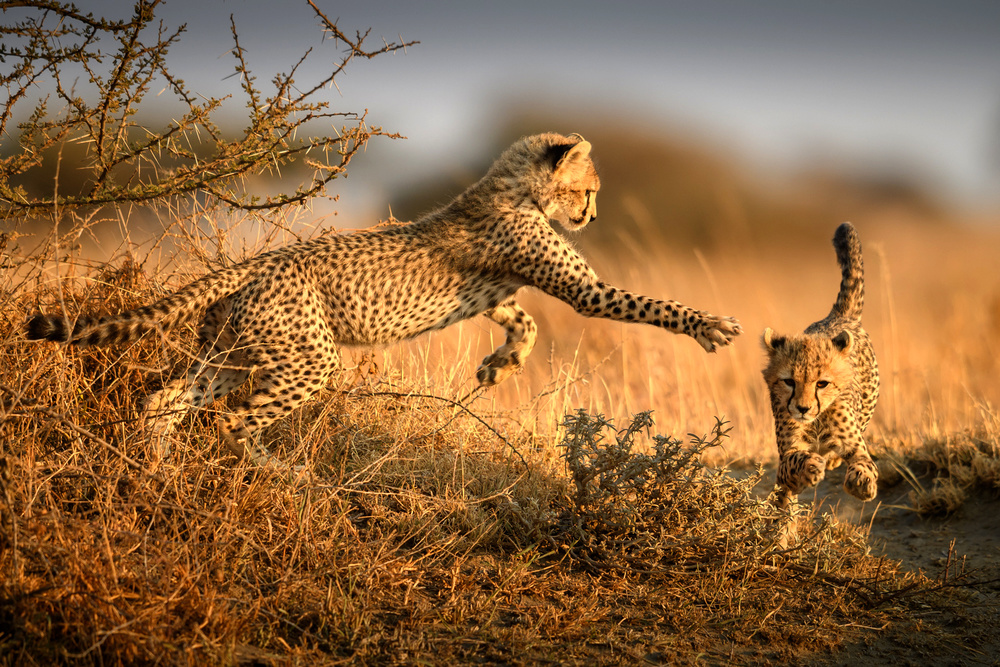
{"x": 806, "y": 374}
{"x": 568, "y": 190}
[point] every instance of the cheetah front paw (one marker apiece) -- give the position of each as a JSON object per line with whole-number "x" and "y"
{"x": 861, "y": 480}
{"x": 498, "y": 367}
{"x": 800, "y": 470}
{"x": 717, "y": 332}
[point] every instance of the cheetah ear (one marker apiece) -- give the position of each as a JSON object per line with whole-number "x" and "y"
{"x": 772, "y": 342}
{"x": 568, "y": 166}
{"x": 581, "y": 148}
{"x": 843, "y": 341}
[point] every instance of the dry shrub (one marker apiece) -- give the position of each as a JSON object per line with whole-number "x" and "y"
{"x": 706, "y": 540}
{"x": 944, "y": 497}
{"x": 954, "y": 466}
{"x": 664, "y": 505}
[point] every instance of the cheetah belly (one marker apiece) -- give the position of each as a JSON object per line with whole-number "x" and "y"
{"x": 381, "y": 309}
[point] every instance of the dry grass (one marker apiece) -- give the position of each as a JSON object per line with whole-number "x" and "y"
{"x": 944, "y": 471}
{"x": 431, "y": 530}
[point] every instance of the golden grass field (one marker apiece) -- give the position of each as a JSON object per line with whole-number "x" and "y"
{"x": 509, "y": 526}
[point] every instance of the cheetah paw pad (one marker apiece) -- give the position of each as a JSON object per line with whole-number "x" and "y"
{"x": 496, "y": 368}
{"x": 718, "y": 332}
{"x": 861, "y": 480}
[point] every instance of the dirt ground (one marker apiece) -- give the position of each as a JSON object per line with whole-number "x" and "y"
{"x": 968, "y": 540}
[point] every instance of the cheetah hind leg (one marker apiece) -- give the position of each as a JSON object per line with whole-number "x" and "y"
{"x": 163, "y": 410}
{"x": 509, "y": 357}
{"x": 276, "y": 394}
{"x": 205, "y": 382}
{"x": 218, "y": 370}
{"x": 240, "y": 430}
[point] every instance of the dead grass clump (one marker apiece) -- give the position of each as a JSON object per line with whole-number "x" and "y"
{"x": 944, "y": 497}
{"x": 944, "y": 471}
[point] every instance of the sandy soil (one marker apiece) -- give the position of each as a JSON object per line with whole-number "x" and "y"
{"x": 966, "y": 632}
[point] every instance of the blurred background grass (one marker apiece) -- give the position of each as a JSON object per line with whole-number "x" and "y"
{"x": 679, "y": 219}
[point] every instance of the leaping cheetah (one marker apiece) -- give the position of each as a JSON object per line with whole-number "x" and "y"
{"x": 283, "y": 313}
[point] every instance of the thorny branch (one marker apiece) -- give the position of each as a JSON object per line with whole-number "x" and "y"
{"x": 127, "y": 161}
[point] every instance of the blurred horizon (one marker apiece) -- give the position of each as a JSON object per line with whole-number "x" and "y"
{"x": 898, "y": 90}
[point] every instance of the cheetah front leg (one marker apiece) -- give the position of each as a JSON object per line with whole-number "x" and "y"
{"x": 840, "y": 441}
{"x": 799, "y": 465}
{"x": 551, "y": 265}
{"x": 509, "y": 357}
{"x": 710, "y": 331}
{"x": 594, "y": 298}
{"x": 800, "y": 468}
{"x": 861, "y": 477}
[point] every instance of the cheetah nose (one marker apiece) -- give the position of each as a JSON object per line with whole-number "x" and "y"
{"x": 803, "y": 409}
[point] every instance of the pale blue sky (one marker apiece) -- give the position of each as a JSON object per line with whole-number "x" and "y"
{"x": 913, "y": 83}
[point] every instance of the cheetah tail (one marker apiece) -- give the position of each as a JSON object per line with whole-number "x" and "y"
{"x": 851, "y": 298}
{"x": 167, "y": 313}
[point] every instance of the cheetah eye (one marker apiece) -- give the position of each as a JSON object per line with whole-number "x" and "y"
{"x": 821, "y": 383}
{"x": 789, "y": 382}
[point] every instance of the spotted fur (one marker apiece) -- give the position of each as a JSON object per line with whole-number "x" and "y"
{"x": 283, "y": 314}
{"x": 824, "y": 384}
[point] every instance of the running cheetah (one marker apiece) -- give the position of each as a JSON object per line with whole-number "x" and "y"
{"x": 282, "y": 314}
{"x": 824, "y": 385}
